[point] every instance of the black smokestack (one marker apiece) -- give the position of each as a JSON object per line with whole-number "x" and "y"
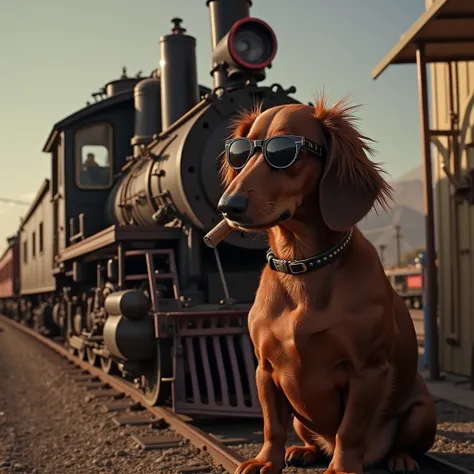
{"x": 223, "y": 14}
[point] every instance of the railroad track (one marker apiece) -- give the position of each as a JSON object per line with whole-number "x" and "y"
{"x": 228, "y": 442}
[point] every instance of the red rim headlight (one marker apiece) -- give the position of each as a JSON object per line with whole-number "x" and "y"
{"x": 252, "y": 43}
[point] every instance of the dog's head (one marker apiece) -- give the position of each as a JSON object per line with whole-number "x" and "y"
{"x": 341, "y": 186}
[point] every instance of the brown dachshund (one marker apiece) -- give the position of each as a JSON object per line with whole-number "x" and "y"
{"x": 336, "y": 346}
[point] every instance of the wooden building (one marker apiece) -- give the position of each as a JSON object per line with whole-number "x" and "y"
{"x": 442, "y": 39}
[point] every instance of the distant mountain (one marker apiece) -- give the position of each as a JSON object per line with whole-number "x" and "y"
{"x": 407, "y": 211}
{"x": 415, "y": 173}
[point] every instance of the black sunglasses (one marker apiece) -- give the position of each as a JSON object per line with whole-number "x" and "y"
{"x": 279, "y": 152}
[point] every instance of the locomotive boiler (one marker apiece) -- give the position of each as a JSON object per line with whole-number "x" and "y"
{"x": 123, "y": 275}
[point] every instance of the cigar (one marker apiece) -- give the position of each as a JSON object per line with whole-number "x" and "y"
{"x": 218, "y": 234}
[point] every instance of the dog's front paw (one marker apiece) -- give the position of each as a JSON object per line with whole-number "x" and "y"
{"x": 345, "y": 467}
{"x": 255, "y": 466}
{"x": 403, "y": 462}
{"x": 300, "y": 456}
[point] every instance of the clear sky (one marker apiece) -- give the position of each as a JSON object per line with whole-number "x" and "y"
{"x": 55, "y": 53}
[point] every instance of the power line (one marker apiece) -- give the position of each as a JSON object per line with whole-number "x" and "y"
{"x": 15, "y": 201}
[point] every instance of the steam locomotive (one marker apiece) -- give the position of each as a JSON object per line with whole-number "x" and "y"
{"x": 110, "y": 256}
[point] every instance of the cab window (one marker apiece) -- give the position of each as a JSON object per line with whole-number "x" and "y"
{"x": 93, "y": 152}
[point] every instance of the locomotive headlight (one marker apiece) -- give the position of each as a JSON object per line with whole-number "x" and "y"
{"x": 250, "y": 44}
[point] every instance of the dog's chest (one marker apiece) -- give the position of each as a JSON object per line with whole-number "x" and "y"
{"x": 285, "y": 341}
{"x": 304, "y": 370}
{"x": 300, "y": 357}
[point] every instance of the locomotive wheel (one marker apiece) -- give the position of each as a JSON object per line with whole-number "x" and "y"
{"x": 91, "y": 356}
{"x": 155, "y": 391}
{"x": 108, "y": 365}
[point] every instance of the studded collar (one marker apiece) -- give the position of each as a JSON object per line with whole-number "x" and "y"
{"x": 296, "y": 267}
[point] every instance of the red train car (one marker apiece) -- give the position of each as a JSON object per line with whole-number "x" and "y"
{"x": 408, "y": 283}
{"x": 10, "y": 277}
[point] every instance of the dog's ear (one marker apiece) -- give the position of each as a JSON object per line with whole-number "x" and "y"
{"x": 351, "y": 183}
{"x": 240, "y": 127}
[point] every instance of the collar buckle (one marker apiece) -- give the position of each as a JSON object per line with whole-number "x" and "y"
{"x": 297, "y": 267}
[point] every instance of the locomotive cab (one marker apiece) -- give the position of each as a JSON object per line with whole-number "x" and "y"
{"x": 87, "y": 149}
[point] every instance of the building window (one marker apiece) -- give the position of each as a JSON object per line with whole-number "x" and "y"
{"x": 25, "y": 252}
{"x": 41, "y": 241}
{"x": 33, "y": 245}
{"x": 93, "y": 156}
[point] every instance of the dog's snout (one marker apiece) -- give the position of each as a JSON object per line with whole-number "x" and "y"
{"x": 233, "y": 207}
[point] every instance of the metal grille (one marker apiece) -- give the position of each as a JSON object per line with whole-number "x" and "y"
{"x": 215, "y": 366}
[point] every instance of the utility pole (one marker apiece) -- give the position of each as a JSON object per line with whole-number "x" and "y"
{"x": 382, "y": 248}
{"x": 398, "y": 236}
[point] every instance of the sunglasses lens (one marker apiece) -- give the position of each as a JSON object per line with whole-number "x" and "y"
{"x": 238, "y": 153}
{"x": 281, "y": 151}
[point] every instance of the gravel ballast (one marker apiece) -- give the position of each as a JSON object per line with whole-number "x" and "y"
{"x": 50, "y": 425}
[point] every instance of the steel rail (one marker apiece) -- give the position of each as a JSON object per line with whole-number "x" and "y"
{"x": 221, "y": 455}
{"x": 442, "y": 466}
